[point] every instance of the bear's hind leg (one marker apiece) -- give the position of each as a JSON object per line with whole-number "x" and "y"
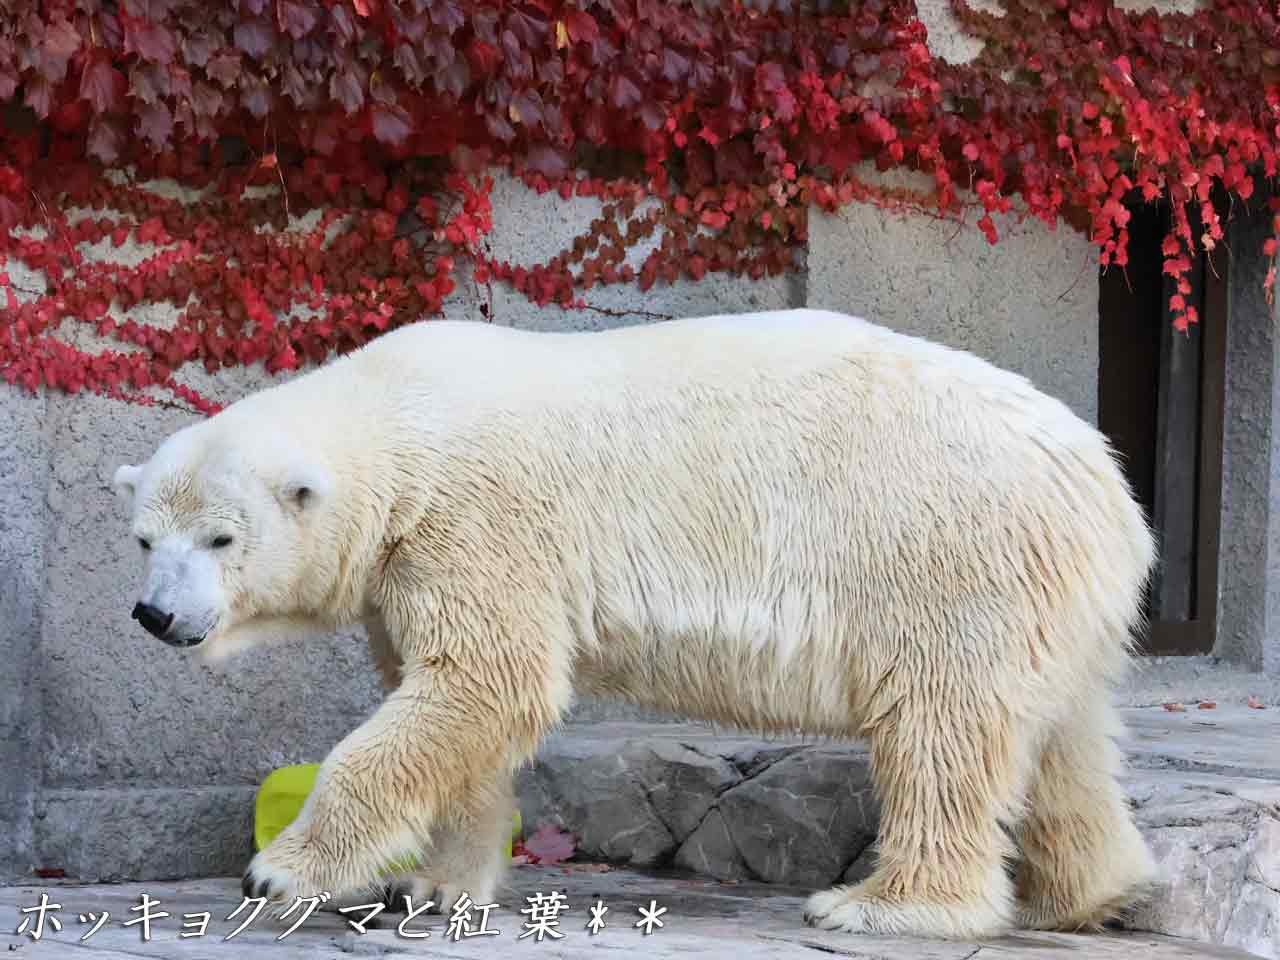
{"x": 1082, "y": 858}
{"x": 948, "y": 767}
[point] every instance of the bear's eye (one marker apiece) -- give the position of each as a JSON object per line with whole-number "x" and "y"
{"x": 144, "y": 544}
{"x": 220, "y": 541}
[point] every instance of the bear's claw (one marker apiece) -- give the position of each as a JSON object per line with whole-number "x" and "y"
{"x": 280, "y": 875}
{"x": 257, "y": 884}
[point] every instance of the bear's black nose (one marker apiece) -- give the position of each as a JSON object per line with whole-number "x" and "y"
{"x": 153, "y": 621}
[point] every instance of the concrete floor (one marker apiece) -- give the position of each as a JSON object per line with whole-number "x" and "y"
{"x": 1189, "y": 679}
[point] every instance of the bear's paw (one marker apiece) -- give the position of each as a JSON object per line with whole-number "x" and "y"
{"x": 850, "y": 909}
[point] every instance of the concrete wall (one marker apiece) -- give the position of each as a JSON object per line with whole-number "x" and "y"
{"x": 1249, "y": 552}
{"x": 1029, "y": 303}
{"x": 24, "y": 475}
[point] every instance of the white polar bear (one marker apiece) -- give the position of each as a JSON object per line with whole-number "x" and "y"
{"x": 788, "y": 521}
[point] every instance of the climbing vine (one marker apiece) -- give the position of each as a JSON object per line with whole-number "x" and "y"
{"x": 337, "y": 155}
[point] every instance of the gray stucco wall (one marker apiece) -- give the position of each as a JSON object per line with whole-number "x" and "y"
{"x": 1249, "y": 553}
{"x": 24, "y": 461}
{"x": 1029, "y": 303}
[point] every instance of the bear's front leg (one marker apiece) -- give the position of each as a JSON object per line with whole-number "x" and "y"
{"x": 466, "y": 856}
{"x": 384, "y": 789}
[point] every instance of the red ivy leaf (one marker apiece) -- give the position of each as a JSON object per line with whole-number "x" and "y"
{"x": 529, "y": 30}
{"x": 455, "y": 77}
{"x": 151, "y": 41}
{"x": 623, "y": 94}
{"x": 411, "y": 69}
{"x": 446, "y": 15}
{"x": 581, "y": 27}
{"x": 39, "y": 96}
{"x": 341, "y": 23}
{"x": 155, "y": 124}
{"x": 253, "y": 37}
{"x": 148, "y": 83}
{"x": 60, "y": 41}
{"x": 199, "y": 45}
{"x": 105, "y": 140}
{"x": 255, "y": 96}
{"x": 224, "y": 68}
{"x": 547, "y": 160}
{"x": 484, "y": 57}
{"x": 205, "y": 100}
{"x": 295, "y": 18}
{"x": 10, "y": 215}
{"x": 346, "y": 88}
{"x": 102, "y": 85}
{"x": 391, "y": 123}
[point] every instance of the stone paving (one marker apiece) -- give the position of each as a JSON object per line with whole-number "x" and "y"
{"x": 702, "y": 918}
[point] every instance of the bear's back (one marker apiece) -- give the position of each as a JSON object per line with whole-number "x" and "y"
{"x": 477, "y": 364}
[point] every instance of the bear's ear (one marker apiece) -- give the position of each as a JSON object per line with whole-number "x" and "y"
{"x": 302, "y": 487}
{"x": 125, "y": 482}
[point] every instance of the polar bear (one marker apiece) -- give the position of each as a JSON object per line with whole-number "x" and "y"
{"x": 789, "y": 521}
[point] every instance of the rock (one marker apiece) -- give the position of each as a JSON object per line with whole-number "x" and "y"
{"x": 710, "y": 851}
{"x": 632, "y": 802}
{"x": 782, "y": 813}
{"x": 804, "y": 818}
{"x": 1217, "y": 841}
{"x": 599, "y": 799}
{"x": 682, "y": 782}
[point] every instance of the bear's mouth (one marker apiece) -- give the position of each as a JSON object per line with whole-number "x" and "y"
{"x": 184, "y": 641}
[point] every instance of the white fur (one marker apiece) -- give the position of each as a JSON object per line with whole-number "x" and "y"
{"x": 781, "y": 521}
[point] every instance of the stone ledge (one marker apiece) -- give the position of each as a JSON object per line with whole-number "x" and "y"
{"x": 157, "y": 833}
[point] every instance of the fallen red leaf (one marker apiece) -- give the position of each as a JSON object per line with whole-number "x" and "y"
{"x": 50, "y": 873}
{"x": 1206, "y": 705}
{"x": 549, "y": 845}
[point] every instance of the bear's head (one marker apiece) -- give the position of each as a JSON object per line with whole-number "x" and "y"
{"x": 227, "y": 522}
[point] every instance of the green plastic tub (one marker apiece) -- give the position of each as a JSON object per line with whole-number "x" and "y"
{"x": 280, "y": 800}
